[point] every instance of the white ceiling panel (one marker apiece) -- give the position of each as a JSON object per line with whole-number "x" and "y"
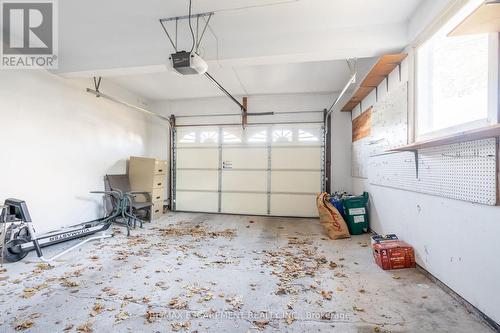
{"x": 253, "y": 47}
{"x": 170, "y": 85}
{"x": 99, "y": 35}
{"x": 309, "y": 77}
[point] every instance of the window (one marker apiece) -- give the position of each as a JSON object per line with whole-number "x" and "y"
{"x": 230, "y": 136}
{"x": 307, "y": 136}
{"x": 282, "y": 135}
{"x": 209, "y": 137}
{"x": 188, "y": 138}
{"x": 258, "y": 137}
{"x": 452, "y": 80}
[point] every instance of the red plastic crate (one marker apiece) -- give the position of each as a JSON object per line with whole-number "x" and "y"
{"x": 393, "y": 255}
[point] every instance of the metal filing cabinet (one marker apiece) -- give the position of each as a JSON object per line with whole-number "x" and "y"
{"x": 149, "y": 175}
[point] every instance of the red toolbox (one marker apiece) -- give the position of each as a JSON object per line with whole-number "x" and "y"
{"x": 393, "y": 255}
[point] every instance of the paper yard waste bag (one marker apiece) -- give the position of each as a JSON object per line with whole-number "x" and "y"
{"x": 330, "y": 218}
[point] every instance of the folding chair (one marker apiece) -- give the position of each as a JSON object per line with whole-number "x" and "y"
{"x": 132, "y": 208}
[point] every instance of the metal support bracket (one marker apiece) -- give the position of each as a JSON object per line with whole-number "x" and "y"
{"x": 415, "y": 152}
{"x": 219, "y": 181}
{"x": 244, "y": 117}
{"x": 97, "y": 84}
{"x": 173, "y": 165}
{"x": 199, "y": 37}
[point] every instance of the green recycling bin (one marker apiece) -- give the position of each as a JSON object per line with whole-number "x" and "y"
{"x": 356, "y": 213}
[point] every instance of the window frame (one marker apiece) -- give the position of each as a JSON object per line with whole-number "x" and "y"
{"x": 493, "y": 110}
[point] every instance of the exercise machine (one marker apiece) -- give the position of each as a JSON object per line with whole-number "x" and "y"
{"x": 20, "y": 237}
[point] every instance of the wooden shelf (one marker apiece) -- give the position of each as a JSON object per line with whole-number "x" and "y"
{"x": 486, "y": 18}
{"x": 384, "y": 66}
{"x": 466, "y": 136}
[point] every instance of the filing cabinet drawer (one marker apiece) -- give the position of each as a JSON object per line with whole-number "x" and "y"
{"x": 157, "y": 209}
{"x": 161, "y": 167}
{"x": 158, "y": 181}
{"x": 158, "y": 194}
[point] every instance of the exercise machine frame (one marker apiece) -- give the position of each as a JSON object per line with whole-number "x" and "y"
{"x": 20, "y": 237}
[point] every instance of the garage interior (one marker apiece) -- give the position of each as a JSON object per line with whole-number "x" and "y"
{"x": 247, "y": 166}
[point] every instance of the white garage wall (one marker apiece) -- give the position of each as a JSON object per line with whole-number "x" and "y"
{"x": 59, "y": 141}
{"x": 341, "y": 122}
{"x": 455, "y": 241}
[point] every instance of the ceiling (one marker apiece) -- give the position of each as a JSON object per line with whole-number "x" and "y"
{"x": 254, "y": 46}
{"x": 309, "y": 77}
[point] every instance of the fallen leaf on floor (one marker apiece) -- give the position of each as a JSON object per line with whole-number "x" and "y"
{"x": 96, "y": 309}
{"x": 44, "y": 266}
{"x": 206, "y": 298}
{"x": 135, "y": 240}
{"x": 200, "y": 255}
{"x": 109, "y": 291}
{"x": 24, "y": 325}
{"x": 68, "y": 327}
{"x": 326, "y": 294}
{"x": 28, "y": 292}
{"x": 361, "y": 291}
{"x": 424, "y": 296}
{"x": 85, "y": 328}
{"x": 146, "y": 299}
{"x": 376, "y": 329}
{"x": 261, "y": 324}
{"x": 68, "y": 283}
{"x": 178, "y": 303}
{"x": 363, "y": 244}
{"x": 235, "y": 301}
{"x": 333, "y": 265}
{"x": 326, "y": 316}
{"x": 177, "y": 326}
{"x": 341, "y": 259}
{"x": 198, "y": 231}
{"x": 396, "y": 277}
{"x": 3, "y": 270}
{"x": 94, "y": 257}
{"x": 358, "y": 309}
{"x": 77, "y": 273}
{"x": 151, "y": 316}
{"x": 120, "y": 316}
{"x": 340, "y": 275}
{"x": 289, "y": 319}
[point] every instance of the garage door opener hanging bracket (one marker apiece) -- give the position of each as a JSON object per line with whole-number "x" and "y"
{"x": 199, "y": 37}
{"x": 196, "y": 45}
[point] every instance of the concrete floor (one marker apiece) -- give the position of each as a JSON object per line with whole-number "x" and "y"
{"x": 269, "y": 274}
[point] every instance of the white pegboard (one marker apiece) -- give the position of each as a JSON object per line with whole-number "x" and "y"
{"x": 463, "y": 171}
{"x": 360, "y": 157}
{"x": 389, "y": 127}
{"x": 390, "y": 121}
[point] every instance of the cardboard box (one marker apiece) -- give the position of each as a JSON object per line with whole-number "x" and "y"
{"x": 393, "y": 255}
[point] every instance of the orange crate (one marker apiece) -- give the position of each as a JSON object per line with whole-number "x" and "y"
{"x": 393, "y": 255}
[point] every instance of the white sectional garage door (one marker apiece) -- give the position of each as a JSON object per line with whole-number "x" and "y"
{"x": 261, "y": 170}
